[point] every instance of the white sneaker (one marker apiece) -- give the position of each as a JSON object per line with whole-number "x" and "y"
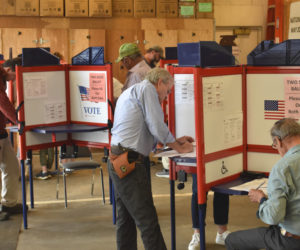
{"x": 195, "y": 242}
{"x": 220, "y": 238}
{"x": 164, "y": 173}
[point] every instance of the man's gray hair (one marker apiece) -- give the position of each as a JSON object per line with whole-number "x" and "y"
{"x": 158, "y": 73}
{"x": 285, "y": 128}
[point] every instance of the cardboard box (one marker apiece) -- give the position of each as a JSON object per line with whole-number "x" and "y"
{"x": 144, "y": 8}
{"x": 51, "y": 7}
{"x": 77, "y": 8}
{"x": 205, "y": 9}
{"x": 166, "y": 8}
{"x": 100, "y": 8}
{"x": 27, "y": 7}
{"x": 122, "y": 8}
{"x": 187, "y": 10}
{"x": 7, "y": 7}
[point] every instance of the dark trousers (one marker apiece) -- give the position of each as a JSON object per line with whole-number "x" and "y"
{"x": 135, "y": 208}
{"x": 220, "y": 204}
{"x": 268, "y": 238}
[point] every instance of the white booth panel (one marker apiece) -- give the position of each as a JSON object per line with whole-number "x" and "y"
{"x": 82, "y": 108}
{"x": 184, "y": 105}
{"x": 261, "y": 88}
{"x": 33, "y": 138}
{"x": 223, "y": 114}
{"x": 261, "y": 162}
{"x": 44, "y": 97}
{"x": 97, "y": 136}
{"x": 216, "y": 170}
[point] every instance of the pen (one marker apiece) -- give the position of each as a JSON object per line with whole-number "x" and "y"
{"x": 260, "y": 185}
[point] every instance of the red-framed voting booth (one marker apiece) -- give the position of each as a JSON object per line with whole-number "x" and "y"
{"x": 229, "y": 111}
{"x": 62, "y": 95}
{"x": 203, "y": 97}
{"x": 63, "y": 104}
{"x": 164, "y": 62}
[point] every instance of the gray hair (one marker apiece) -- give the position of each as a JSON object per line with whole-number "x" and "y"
{"x": 285, "y": 128}
{"x": 158, "y": 73}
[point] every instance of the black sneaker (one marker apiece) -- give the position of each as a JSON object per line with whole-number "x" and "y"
{"x": 43, "y": 176}
{"x": 17, "y": 209}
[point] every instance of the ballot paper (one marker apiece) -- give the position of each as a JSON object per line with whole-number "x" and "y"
{"x": 172, "y": 153}
{"x": 260, "y": 184}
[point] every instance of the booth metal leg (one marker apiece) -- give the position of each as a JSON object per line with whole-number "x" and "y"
{"x": 172, "y": 208}
{"x": 110, "y": 190}
{"x": 102, "y": 183}
{"x": 24, "y": 193}
{"x": 29, "y": 163}
{"x": 11, "y": 136}
{"x": 56, "y": 160}
{"x": 201, "y": 211}
{"x": 114, "y": 205}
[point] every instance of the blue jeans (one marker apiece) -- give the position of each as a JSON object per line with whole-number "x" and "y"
{"x": 220, "y": 204}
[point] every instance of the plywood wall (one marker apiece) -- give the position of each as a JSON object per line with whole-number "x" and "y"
{"x": 70, "y": 36}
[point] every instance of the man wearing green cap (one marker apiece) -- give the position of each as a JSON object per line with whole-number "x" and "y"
{"x": 132, "y": 60}
{"x": 153, "y": 55}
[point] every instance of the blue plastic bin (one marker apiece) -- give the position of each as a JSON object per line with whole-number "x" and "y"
{"x": 204, "y": 54}
{"x": 269, "y": 54}
{"x": 90, "y": 56}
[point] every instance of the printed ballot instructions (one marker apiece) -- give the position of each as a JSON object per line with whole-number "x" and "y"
{"x": 261, "y": 184}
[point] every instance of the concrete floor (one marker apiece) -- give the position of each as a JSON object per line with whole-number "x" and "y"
{"x": 87, "y": 224}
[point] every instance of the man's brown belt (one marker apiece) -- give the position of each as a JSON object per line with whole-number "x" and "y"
{"x": 287, "y": 234}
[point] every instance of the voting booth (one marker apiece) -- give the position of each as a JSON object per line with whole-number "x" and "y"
{"x": 208, "y": 104}
{"x": 62, "y": 104}
{"x": 63, "y": 95}
{"x": 229, "y": 111}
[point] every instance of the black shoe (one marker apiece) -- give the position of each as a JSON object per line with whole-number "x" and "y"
{"x": 17, "y": 209}
{"x": 4, "y": 216}
{"x": 43, "y": 176}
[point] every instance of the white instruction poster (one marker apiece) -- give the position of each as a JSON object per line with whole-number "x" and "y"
{"x": 233, "y": 129}
{"x": 184, "y": 105}
{"x": 213, "y": 96}
{"x": 35, "y": 86}
{"x": 184, "y": 88}
{"x": 294, "y": 21}
{"x": 55, "y": 112}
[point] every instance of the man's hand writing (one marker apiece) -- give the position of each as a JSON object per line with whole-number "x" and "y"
{"x": 256, "y": 195}
{"x": 186, "y": 147}
{"x": 184, "y": 139}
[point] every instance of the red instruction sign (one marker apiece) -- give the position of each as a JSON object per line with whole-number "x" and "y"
{"x": 292, "y": 97}
{"x": 97, "y": 87}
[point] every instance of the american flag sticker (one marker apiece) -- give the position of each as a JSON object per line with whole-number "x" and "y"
{"x": 84, "y": 93}
{"x": 274, "y": 109}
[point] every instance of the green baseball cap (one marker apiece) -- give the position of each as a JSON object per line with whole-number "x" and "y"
{"x": 127, "y": 49}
